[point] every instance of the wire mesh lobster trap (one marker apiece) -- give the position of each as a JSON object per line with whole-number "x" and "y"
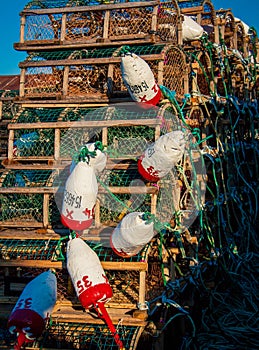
{"x": 59, "y": 133}
{"x": 93, "y": 23}
{"x": 94, "y": 75}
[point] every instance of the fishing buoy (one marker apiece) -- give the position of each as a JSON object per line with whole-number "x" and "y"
{"x": 191, "y": 30}
{"x": 139, "y": 79}
{"x": 33, "y": 308}
{"x": 86, "y": 272}
{"x": 132, "y": 234}
{"x": 160, "y": 157}
{"x": 80, "y": 197}
{"x": 90, "y": 282}
{"x": 93, "y": 155}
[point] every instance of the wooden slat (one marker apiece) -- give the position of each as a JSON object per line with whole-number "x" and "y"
{"x": 69, "y": 314}
{"x": 50, "y": 190}
{"x": 112, "y": 6}
{"x": 85, "y": 124}
{"x": 107, "y": 265}
{"x": 29, "y": 46}
{"x": 87, "y": 61}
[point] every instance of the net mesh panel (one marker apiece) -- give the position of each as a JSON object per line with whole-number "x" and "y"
{"x": 83, "y": 336}
{"x": 54, "y": 250}
{"x": 190, "y": 3}
{"x": 26, "y": 207}
{"x": 34, "y": 142}
{"x": 204, "y": 74}
{"x": 174, "y": 71}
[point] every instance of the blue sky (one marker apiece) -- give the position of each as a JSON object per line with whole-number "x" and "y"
{"x": 248, "y": 11}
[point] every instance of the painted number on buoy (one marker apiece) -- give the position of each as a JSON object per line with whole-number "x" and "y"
{"x": 24, "y": 303}
{"x": 83, "y": 284}
{"x": 138, "y": 88}
{"x": 72, "y": 200}
{"x": 152, "y": 171}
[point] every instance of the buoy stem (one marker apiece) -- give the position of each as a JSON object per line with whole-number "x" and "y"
{"x": 105, "y": 316}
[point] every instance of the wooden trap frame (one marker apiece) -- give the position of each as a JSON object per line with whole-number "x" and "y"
{"x": 99, "y": 25}
{"x": 95, "y": 75}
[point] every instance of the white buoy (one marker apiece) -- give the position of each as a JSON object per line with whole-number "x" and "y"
{"x": 86, "y": 272}
{"x": 139, "y": 79}
{"x": 160, "y": 157}
{"x": 132, "y": 234}
{"x": 33, "y": 308}
{"x": 90, "y": 282}
{"x": 191, "y": 29}
{"x": 80, "y": 197}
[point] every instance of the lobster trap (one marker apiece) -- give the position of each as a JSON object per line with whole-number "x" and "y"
{"x": 59, "y": 23}
{"x": 94, "y": 75}
{"x": 57, "y": 134}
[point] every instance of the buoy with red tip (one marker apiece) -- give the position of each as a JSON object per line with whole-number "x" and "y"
{"x": 139, "y": 79}
{"x": 33, "y": 308}
{"x": 131, "y": 235}
{"x": 80, "y": 197}
{"x": 160, "y": 157}
{"x": 90, "y": 282}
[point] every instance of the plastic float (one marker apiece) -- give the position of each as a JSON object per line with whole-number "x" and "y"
{"x": 90, "y": 282}
{"x": 132, "y": 234}
{"x": 33, "y": 308}
{"x": 160, "y": 157}
{"x": 79, "y": 197}
{"x": 139, "y": 79}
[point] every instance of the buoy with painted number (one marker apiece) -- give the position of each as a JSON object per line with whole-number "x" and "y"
{"x": 133, "y": 232}
{"x": 161, "y": 156}
{"x": 90, "y": 282}
{"x": 33, "y": 308}
{"x": 80, "y": 197}
{"x": 139, "y": 79}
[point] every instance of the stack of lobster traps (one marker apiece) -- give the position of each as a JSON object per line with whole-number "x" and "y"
{"x": 72, "y": 93}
